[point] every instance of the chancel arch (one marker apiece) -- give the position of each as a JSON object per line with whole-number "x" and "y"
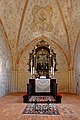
{"x": 61, "y": 60}
{"x": 50, "y": 41}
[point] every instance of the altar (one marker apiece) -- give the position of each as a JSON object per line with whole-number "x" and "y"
{"x": 42, "y": 67}
{"x": 42, "y": 87}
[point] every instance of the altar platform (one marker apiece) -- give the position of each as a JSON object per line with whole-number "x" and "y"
{"x": 42, "y": 91}
{"x": 41, "y": 99}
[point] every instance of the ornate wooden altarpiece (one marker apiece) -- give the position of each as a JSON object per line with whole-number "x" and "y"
{"x": 42, "y": 60}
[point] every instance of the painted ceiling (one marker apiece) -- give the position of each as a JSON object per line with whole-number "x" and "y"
{"x": 25, "y": 21}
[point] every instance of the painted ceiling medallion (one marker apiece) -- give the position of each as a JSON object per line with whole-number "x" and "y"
{"x": 42, "y": 18}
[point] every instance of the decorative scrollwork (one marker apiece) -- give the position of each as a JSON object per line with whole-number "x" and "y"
{"x": 42, "y": 60}
{"x": 42, "y": 18}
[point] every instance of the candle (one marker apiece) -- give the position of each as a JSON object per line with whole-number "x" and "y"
{"x": 33, "y": 70}
{"x": 31, "y": 67}
{"x": 51, "y": 70}
{"x": 53, "y": 63}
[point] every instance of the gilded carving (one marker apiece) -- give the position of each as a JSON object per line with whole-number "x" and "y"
{"x": 42, "y": 18}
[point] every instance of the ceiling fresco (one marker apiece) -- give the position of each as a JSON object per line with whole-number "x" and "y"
{"x": 24, "y": 22}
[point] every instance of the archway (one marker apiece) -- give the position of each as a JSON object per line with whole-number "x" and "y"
{"x": 24, "y": 75}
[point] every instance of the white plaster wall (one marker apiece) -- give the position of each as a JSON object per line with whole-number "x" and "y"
{"x": 77, "y": 68}
{"x": 5, "y": 66}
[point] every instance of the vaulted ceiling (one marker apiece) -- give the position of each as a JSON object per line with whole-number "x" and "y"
{"x": 26, "y": 20}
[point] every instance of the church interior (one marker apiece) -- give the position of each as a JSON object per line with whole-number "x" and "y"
{"x": 39, "y": 59}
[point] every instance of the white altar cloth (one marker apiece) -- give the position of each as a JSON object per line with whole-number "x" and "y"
{"x": 42, "y": 85}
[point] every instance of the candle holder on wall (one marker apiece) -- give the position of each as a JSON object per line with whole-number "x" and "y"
{"x": 42, "y": 60}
